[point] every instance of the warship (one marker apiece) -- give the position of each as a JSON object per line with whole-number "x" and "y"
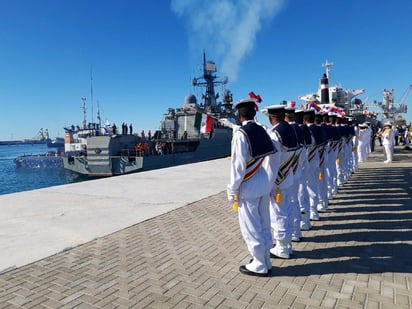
{"x": 191, "y": 133}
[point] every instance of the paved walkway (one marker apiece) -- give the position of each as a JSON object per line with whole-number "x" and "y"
{"x": 358, "y": 256}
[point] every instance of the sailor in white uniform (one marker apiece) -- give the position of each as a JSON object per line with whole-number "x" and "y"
{"x": 342, "y": 151}
{"x": 347, "y": 163}
{"x": 297, "y": 174}
{"x": 362, "y": 143}
{"x": 250, "y": 184}
{"x": 333, "y": 157}
{"x": 323, "y": 160}
{"x": 355, "y": 141}
{"x": 313, "y": 158}
{"x": 303, "y": 194}
{"x": 281, "y": 214}
{"x": 369, "y": 136}
{"x": 388, "y": 141}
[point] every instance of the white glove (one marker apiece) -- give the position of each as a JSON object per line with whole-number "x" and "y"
{"x": 226, "y": 122}
{"x": 231, "y": 198}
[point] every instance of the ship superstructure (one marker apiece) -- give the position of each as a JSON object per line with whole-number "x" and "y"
{"x": 335, "y": 96}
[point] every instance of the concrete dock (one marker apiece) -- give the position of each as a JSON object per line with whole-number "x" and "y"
{"x": 169, "y": 239}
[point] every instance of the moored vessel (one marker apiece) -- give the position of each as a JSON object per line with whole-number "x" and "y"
{"x": 336, "y": 99}
{"x": 187, "y": 134}
{"x": 50, "y": 159}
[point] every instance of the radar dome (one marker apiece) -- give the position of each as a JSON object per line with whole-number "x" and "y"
{"x": 190, "y": 101}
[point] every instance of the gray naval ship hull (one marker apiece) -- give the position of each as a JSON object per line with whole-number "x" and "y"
{"x": 205, "y": 149}
{"x": 117, "y": 154}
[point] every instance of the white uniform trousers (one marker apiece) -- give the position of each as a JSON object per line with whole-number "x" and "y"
{"x": 355, "y": 159}
{"x": 254, "y": 222}
{"x": 303, "y": 194}
{"x": 331, "y": 173}
{"x": 349, "y": 164}
{"x": 313, "y": 189}
{"x": 323, "y": 183}
{"x": 294, "y": 201}
{"x": 295, "y": 217}
{"x": 281, "y": 216}
{"x": 340, "y": 166}
{"x": 387, "y": 152}
{"x": 361, "y": 151}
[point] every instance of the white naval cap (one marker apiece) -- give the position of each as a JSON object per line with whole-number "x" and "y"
{"x": 245, "y": 103}
{"x": 274, "y": 109}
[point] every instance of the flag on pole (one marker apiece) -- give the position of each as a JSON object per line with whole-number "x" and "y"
{"x": 257, "y": 99}
{"x": 203, "y": 122}
{"x": 336, "y": 110}
{"x": 313, "y": 105}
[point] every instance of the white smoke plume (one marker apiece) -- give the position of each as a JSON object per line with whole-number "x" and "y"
{"x": 225, "y": 28}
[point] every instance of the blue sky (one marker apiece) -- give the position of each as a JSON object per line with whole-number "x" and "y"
{"x": 144, "y": 54}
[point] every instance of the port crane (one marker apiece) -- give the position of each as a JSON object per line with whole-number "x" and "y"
{"x": 389, "y": 108}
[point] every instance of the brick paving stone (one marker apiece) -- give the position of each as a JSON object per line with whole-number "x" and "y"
{"x": 298, "y": 305}
{"x": 356, "y": 256}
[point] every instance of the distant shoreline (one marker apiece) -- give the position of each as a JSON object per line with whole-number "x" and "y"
{"x": 23, "y": 142}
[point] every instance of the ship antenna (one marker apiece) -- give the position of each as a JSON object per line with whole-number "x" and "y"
{"x": 327, "y": 65}
{"x": 91, "y": 90}
{"x": 98, "y": 114}
{"x": 84, "y": 113}
{"x": 204, "y": 61}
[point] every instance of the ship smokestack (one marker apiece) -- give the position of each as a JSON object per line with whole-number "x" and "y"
{"x": 324, "y": 90}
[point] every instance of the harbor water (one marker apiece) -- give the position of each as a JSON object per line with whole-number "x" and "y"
{"x": 18, "y": 179}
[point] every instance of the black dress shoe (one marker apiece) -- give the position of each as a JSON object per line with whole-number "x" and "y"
{"x": 246, "y": 271}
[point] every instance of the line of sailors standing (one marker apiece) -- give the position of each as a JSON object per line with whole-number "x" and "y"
{"x": 313, "y": 155}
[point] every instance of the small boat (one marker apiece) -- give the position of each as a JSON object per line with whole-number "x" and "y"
{"x": 57, "y": 142}
{"x": 50, "y": 159}
{"x": 188, "y": 134}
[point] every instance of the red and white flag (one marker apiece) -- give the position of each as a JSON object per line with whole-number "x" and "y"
{"x": 206, "y": 124}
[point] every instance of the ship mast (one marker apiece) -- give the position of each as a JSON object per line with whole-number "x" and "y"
{"x": 84, "y": 113}
{"x": 209, "y": 82}
{"x": 91, "y": 91}
{"x": 98, "y": 114}
{"x": 327, "y": 65}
